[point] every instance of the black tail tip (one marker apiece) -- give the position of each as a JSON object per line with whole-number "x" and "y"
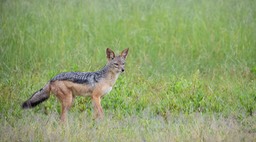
{"x": 25, "y": 105}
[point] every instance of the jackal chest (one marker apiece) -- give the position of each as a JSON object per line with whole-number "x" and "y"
{"x": 106, "y": 90}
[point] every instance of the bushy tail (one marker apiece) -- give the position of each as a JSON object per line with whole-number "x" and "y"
{"x": 38, "y": 97}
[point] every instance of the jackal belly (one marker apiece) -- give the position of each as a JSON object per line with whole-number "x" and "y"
{"x": 81, "y": 89}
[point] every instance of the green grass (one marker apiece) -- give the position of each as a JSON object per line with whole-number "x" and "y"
{"x": 190, "y": 72}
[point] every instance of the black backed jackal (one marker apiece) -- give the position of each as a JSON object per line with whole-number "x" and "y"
{"x": 70, "y": 84}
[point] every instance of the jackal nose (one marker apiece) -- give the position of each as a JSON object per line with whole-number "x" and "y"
{"x": 122, "y": 70}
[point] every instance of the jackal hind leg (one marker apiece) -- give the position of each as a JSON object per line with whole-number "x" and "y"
{"x": 66, "y": 103}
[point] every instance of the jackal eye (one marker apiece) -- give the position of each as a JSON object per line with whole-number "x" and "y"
{"x": 116, "y": 64}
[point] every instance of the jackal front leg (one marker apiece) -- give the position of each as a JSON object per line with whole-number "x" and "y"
{"x": 98, "y": 111}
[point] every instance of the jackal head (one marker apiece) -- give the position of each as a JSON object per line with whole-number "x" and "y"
{"x": 116, "y": 63}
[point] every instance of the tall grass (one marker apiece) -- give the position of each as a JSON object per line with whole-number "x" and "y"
{"x": 190, "y": 71}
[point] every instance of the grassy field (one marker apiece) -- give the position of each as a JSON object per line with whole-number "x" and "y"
{"x": 190, "y": 73}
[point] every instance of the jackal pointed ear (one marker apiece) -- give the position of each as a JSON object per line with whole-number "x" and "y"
{"x": 110, "y": 54}
{"x": 124, "y": 53}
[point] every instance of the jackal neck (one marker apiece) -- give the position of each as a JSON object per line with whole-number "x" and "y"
{"x": 109, "y": 74}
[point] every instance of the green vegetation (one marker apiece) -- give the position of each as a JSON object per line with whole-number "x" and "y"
{"x": 190, "y": 72}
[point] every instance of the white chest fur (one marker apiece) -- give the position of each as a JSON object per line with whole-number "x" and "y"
{"x": 107, "y": 90}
